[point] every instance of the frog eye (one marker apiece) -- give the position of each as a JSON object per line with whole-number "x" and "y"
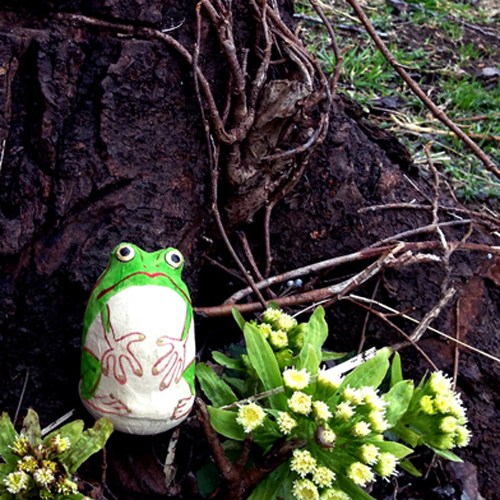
{"x": 125, "y": 253}
{"x": 174, "y": 259}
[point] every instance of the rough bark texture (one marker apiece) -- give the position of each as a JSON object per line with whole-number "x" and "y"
{"x": 102, "y": 142}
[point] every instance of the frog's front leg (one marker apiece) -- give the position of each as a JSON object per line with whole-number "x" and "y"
{"x": 171, "y": 364}
{"x": 120, "y": 352}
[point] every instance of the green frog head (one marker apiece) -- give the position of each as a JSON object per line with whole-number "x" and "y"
{"x": 131, "y": 266}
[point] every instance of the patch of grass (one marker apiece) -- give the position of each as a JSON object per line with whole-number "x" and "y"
{"x": 431, "y": 40}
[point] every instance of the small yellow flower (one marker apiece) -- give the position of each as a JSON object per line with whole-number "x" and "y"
{"x": 448, "y": 424}
{"x": 27, "y": 464}
{"x": 303, "y": 463}
{"x": 377, "y": 421}
{"x": 296, "y": 379}
{"x": 278, "y": 339}
{"x": 334, "y": 494}
{"x": 266, "y": 330}
{"x": 271, "y": 315}
{"x": 303, "y": 489}
{"x": 444, "y": 402}
{"x": 286, "y": 423}
{"x": 286, "y": 322}
{"x": 60, "y": 444}
{"x": 344, "y": 411}
{"x": 300, "y": 403}
{"x": 360, "y": 474}
{"x": 323, "y": 477}
{"x": 371, "y": 399}
{"x": 17, "y": 482}
{"x": 21, "y": 446}
{"x": 321, "y": 410}
{"x": 49, "y": 464}
{"x": 386, "y": 465}
{"x": 353, "y": 396}
{"x": 250, "y": 417}
{"x": 439, "y": 383}
{"x": 330, "y": 380}
{"x": 66, "y": 487}
{"x": 426, "y": 405}
{"x": 43, "y": 477}
{"x": 462, "y": 436}
{"x": 368, "y": 453}
{"x": 361, "y": 429}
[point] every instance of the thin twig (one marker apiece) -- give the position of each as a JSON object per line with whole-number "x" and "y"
{"x": 336, "y": 51}
{"x": 21, "y": 397}
{"x": 415, "y": 206}
{"x": 430, "y": 328}
{"x": 224, "y": 268}
{"x": 336, "y": 292}
{"x": 397, "y": 347}
{"x": 367, "y": 316}
{"x": 420, "y": 230}
{"x": 367, "y": 253}
{"x": 438, "y": 113}
{"x": 267, "y": 237}
{"x": 457, "y": 352}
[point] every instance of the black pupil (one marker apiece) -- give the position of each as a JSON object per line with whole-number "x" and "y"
{"x": 175, "y": 258}
{"x": 124, "y": 251}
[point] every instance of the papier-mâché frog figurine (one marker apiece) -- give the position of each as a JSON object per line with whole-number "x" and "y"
{"x": 138, "y": 342}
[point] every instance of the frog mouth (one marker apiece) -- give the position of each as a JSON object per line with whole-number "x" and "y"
{"x": 150, "y": 275}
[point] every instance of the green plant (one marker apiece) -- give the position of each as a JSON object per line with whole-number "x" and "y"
{"x": 277, "y": 391}
{"x": 43, "y": 468}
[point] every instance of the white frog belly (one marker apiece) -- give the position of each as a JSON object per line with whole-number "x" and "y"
{"x": 143, "y": 357}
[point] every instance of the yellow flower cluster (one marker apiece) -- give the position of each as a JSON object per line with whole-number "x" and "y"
{"x": 39, "y": 466}
{"x": 304, "y": 464}
{"x": 443, "y": 413}
{"x": 282, "y": 332}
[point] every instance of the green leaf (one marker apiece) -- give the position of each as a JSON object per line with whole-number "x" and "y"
{"x": 6, "y": 496}
{"x": 264, "y": 361}
{"x": 449, "y": 455}
{"x": 31, "y": 428}
{"x": 269, "y": 487}
{"x": 371, "y": 372}
{"x": 90, "y": 442}
{"x": 224, "y": 422}
{"x": 7, "y": 437}
{"x": 309, "y": 360}
{"x": 219, "y": 393}
{"x": 73, "y": 431}
{"x": 231, "y": 363}
{"x": 315, "y": 335}
{"x": 398, "y": 399}
{"x": 207, "y": 478}
{"x": 396, "y": 370}
{"x": 236, "y": 383}
{"x": 409, "y": 467}
{"x": 240, "y": 320}
{"x": 397, "y": 449}
{"x": 331, "y": 356}
{"x": 407, "y": 435}
{"x": 75, "y": 496}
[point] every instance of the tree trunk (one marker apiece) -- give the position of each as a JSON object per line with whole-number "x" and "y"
{"x": 102, "y": 141}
